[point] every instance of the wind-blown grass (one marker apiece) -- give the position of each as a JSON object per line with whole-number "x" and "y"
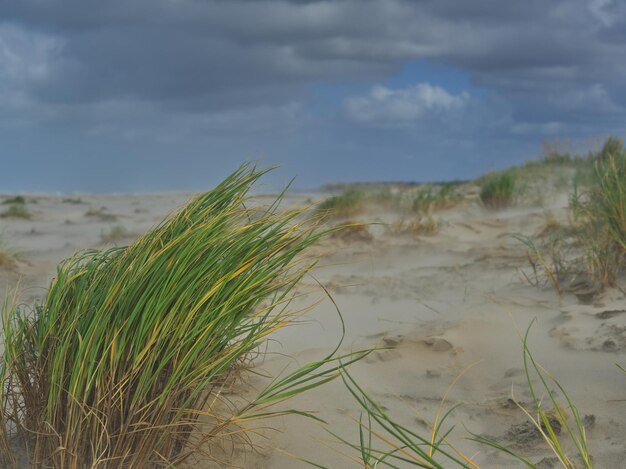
{"x": 346, "y": 204}
{"x": 497, "y": 191}
{"x": 383, "y": 442}
{"x": 608, "y": 198}
{"x": 565, "y": 413}
{"x": 590, "y": 251}
{"x": 426, "y": 201}
{"x": 123, "y": 364}
{"x": 601, "y": 212}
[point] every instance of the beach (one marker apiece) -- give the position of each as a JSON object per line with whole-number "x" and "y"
{"x": 446, "y": 313}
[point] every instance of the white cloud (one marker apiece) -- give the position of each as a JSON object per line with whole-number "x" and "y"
{"x": 388, "y": 107}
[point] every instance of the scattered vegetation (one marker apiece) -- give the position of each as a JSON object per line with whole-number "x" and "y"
{"x": 17, "y": 211}
{"x": 498, "y": 190}
{"x": 100, "y": 214}
{"x": 420, "y": 200}
{"x": 124, "y": 363}
{"x": 72, "y": 200}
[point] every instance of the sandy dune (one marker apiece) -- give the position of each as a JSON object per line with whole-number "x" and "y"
{"x": 443, "y": 306}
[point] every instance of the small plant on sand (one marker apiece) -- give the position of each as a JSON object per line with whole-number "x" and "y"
{"x": 352, "y": 231}
{"x": 611, "y": 148}
{"x": 601, "y": 214}
{"x": 498, "y": 189}
{"x": 421, "y": 226}
{"x": 124, "y": 362}
{"x": 8, "y": 257}
{"x": 100, "y": 214}
{"x": 384, "y": 442}
{"x": 562, "y": 418}
{"x": 17, "y": 211}
{"x": 18, "y": 199}
{"x": 428, "y": 200}
{"x": 72, "y": 200}
{"x": 590, "y": 253}
{"x": 607, "y": 200}
{"x": 346, "y": 204}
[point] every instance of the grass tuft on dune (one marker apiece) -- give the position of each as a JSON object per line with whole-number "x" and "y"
{"x": 124, "y": 363}
{"x": 497, "y": 191}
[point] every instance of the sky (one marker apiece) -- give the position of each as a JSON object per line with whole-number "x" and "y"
{"x": 155, "y": 95}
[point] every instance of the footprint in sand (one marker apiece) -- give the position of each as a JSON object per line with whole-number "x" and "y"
{"x": 609, "y": 336}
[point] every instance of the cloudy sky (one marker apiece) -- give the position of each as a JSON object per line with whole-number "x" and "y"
{"x": 143, "y": 95}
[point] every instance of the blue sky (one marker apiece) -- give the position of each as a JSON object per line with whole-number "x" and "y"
{"x": 150, "y": 95}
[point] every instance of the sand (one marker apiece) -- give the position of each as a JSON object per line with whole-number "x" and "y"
{"x": 443, "y": 306}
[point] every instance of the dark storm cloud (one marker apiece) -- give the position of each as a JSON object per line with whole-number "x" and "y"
{"x": 223, "y": 52}
{"x": 167, "y": 69}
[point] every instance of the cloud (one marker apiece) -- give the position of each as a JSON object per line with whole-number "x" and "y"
{"x": 387, "y": 107}
{"x": 203, "y": 70}
{"x": 211, "y": 54}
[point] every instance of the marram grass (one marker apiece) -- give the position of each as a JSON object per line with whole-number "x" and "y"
{"x": 498, "y": 190}
{"x": 122, "y": 364}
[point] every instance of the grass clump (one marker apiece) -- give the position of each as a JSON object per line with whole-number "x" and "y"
{"x": 17, "y": 211}
{"x": 18, "y": 199}
{"x": 497, "y": 191}
{"x": 601, "y": 214}
{"x": 590, "y": 253}
{"x": 8, "y": 257}
{"x": 72, "y": 200}
{"x": 607, "y": 199}
{"x": 421, "y": 226}
{"x": 348, "y": 203}
{"x": 124, "y": 362}
{"x": 100, "y": 214}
